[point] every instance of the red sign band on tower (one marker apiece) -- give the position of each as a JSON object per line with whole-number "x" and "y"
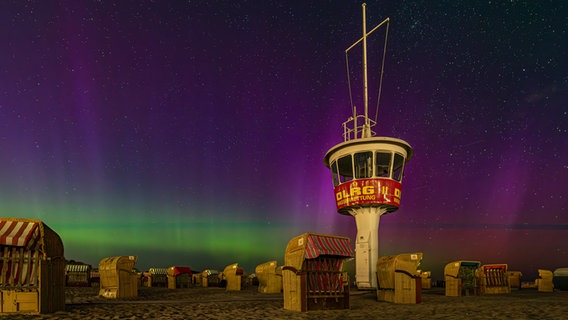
{"x": 368, "y": 192}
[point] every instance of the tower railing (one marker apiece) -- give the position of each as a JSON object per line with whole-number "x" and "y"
{"x": 352, "y": 130}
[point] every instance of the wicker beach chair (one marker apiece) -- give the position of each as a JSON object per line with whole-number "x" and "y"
{"x": 399, "y": 279}
{"x": 32, "y": 267}
{"x": 313, "y": 276}
{"x": 118, "y": 278}
{"x": 269, "y": 276}
{"x": 460, "y": 278}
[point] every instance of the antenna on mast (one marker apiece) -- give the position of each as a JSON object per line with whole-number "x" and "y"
{"x": 367, "y": 125}
{"x": 365, "y": 131}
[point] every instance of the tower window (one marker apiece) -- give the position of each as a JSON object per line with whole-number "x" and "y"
{"x": 345, "y": 167}
{"x": 383, "y": 164}
{"x": 398, "y": 166}
{"x": 334, "y": 174}
{"x": 363, "y": 164}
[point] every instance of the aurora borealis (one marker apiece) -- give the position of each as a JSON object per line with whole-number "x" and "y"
{"x": 191, "y": 133}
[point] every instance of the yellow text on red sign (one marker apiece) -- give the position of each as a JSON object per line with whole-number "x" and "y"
{"x": 372, "y": 191}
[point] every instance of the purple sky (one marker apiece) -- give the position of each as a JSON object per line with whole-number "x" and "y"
{"x": 194, "y": 133}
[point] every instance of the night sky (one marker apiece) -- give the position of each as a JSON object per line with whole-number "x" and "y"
{"x": 193, "y": 132}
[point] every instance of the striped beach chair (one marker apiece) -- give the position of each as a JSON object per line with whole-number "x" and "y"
{"x": 313, "y": 276}
{"x": 32, "y": 267}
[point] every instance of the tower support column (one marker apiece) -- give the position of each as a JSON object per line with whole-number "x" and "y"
{"x": 367, "y": 245}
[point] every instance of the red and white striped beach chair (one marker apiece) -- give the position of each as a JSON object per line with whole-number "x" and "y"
{"x": 32, "y": 267}
{"x": 313, "y": 276}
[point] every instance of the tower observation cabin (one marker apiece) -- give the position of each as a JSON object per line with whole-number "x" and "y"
{"x": 367, "y": 173}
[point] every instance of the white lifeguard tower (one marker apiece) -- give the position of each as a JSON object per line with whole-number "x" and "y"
{"x": 367, "y": 173}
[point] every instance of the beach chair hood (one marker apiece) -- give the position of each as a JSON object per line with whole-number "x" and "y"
{"x": 311, "y": 246}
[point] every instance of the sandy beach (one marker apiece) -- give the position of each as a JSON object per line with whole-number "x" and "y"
{"x": 217, "y": 303}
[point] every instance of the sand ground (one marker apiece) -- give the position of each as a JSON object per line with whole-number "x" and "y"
{"x": 217, "y": 303}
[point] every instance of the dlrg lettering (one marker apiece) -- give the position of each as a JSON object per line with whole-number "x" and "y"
{"x": 363, "y": 193}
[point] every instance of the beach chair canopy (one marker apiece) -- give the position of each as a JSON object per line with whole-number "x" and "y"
{"x": 269, "y": 267}
{"x": 452, "y": 269}
{"x": 312, "y": 246}
{"x": 325, "y": 245}
{"x": 117, "y": 263}
{"x": 209, "y": 272}
{"x": 78, "y": 268}
{"x": 31, "y": 235}
{"x": 233, "y": 269}
{"x": 545, "y": 273}
{"x": 155, "y": 271}
{"x": 406, "y": 262}
{"x": 175, "y": 271}
{"x": 561, "y": 272}
{"x": 23, "y": 243}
